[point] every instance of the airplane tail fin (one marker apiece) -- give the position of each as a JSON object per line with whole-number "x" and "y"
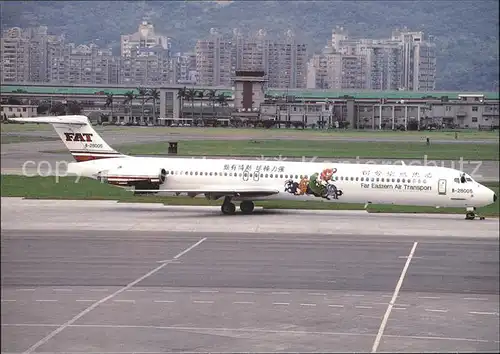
{"x": 76, "y": 132}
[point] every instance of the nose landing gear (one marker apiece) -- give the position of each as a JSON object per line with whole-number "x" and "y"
{"x": 471, "y": 214}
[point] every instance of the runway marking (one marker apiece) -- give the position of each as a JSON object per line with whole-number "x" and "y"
{"x": 171, "y": 291}
{"x": 354, "y": 295}
{"x": 203, "y": 302}
{"x": 483, "y": 313}
{"x": 336, "y": 305}
{"x": 136, "y": 290}
{"x": 164, "y": 301}
{"x": 393, "y": 299}
{"x": 429, "y": 297}
{"x": 209, "y": 291}
{"x": 317, "y": 294}
{"x": 8, "y": 300}
{"x": 364, "y": 307}
{"x": 399, "y": 308}
{"x": 63, "y": 289}
{"x": 476, "y": 298}
{"x": 243, "y": 302}
{"x": 307, "y": 304}
{"x": 31, "y": 289}
{"x": 281, "y": 303}
{"x": 100, "y": 290}
{"x": 280, "y": 293}
{"x": 103, "y": 300}
{"x": 85, "y": 300}
{"x": 435, "y": 310}
{"x": 46, "y": 300}
{"x": 255, "y": 330}
{"x": 245, "y": 292}
{"x": 129, "y": 301}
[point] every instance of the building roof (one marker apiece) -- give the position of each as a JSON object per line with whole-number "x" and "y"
{"x": 298, "y": 93}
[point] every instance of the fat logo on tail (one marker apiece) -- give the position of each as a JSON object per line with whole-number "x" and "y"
{"x": 80, "y": 138}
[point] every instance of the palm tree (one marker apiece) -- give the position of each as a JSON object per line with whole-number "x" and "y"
{"x": 154, "y": 94}
{"x": 201, "y": 95}
{"x": 109, "y": 103}
{"x": 129, "y": 97}
{"x": 181, "y": 95}
{"x": 212, "y": 96}
{"x": 143, "y": 94}
{"x": 191, "y": 95}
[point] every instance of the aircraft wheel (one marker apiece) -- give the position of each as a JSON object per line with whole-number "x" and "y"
{"x": 470, "y": 215}
{"x": 228, "y": 208}
{"x": 247, "y": 207}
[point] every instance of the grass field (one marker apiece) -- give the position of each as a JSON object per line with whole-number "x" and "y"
{"x": 66, "y": 188}
{"x": 323, "y": 149}
{"x": 11, "y": 139}
{"x": 269, "y": 133}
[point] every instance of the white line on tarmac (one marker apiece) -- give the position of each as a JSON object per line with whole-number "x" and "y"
{"x": 243, "y": 302}
{"x": 203, "y": 302}
{"x": 483, "y": 313}
{"x": 8, "y": 300}
{"x": 109, "y": 297}
{"x": 435, "y": 310}
{"x": 63, "y": 289}
{"x": 281, "y": 303}
{"x": 25, "y": 289}
{"x": 209, "y": 291}
{"x": 130, "y": 301}
{"x": 336, "y": 305}
{"x": 476, "y": 298}
{"x": 47, "y": 300}
{"x": 245, "y": 292}
{"x": 429, "y": 297}
{"x": 393, "y": 299}
{"x": 280, "y": 293}
{"x": 307, "y": 304}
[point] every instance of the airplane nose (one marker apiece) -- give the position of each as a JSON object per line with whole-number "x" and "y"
{"x": 494, "y": 198}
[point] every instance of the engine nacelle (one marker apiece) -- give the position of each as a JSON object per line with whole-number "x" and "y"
{"x": 131, "y": 178}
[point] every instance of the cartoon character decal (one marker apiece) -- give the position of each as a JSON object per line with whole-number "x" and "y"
{"x": 318, "y": 184}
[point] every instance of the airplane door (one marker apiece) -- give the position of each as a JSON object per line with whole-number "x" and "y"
{"x": 256, "y": 176}
{"x": 442, "y": 186}
{"x": 246, "y": 176}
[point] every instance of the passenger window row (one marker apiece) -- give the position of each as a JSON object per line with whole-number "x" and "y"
{"x": 272, "y": 175}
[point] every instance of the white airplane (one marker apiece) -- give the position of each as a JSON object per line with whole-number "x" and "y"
{"x": 246, "y": 181}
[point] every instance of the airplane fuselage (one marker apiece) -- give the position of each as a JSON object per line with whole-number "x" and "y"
{"x": 348, "y": 183}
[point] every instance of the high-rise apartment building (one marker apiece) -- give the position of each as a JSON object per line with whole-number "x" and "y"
{"x": 283, "y": 60}
{"x": 145, "y": 37}
{"x": 405, "y": 61}
{"x": 214, "y": 60}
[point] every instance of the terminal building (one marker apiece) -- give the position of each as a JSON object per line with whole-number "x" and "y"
{"x": 248, "y": 103}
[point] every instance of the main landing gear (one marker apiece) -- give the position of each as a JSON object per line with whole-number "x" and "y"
{"x": 471, "y": 214}
{"x": 229, "y": 208}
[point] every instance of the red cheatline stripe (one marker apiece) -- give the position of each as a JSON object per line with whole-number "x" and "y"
{"x": 82, "y": 158}
{"x": 94, "y": 152}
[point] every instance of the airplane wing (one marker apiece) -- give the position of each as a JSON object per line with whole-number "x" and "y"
{"x": 215, "y": 191}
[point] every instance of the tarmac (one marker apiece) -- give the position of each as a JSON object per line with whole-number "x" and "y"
{"x": 107, "y": 277}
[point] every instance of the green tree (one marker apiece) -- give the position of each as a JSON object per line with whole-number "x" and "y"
{"x": 130, "y": 96}
{"x": 154, "y": 95}
{"x": 143, "y": 93}
{"x": 181, "y": 96}
{"x": 212, "y": 97}
{"x": 109, "y": 103}
{"x": 191, "y": 95}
